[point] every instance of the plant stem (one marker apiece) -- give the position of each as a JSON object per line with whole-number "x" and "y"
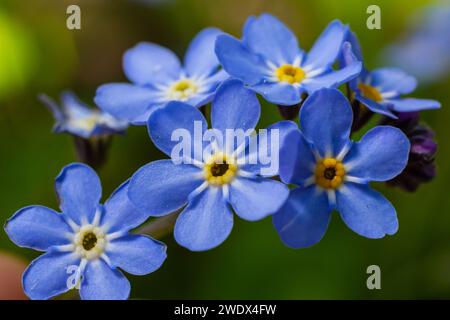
{"x": 289, "y": 112}
{"x": 92, "y": 151}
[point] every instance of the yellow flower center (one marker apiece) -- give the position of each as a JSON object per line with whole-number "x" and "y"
{"x": 220, "y": 169}
{"x": 329, "y": 173}
{"x": 290, "y": 74}
{"x": 90, "y": 242}
{"x": 182, "y": 89}
{"x": 370, "y": 92}
{"x": 87, "y": 123}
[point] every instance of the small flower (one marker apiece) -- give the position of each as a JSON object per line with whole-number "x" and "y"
{"x": 269, "y": 61}
{"x": 86, "y": 243}
{"x": 381, "y": 90}
{"x": 157, "y": 77}
{"x": 421, "y": 167}
{"x": 209, "y": 186}
{"x": 333, "y": 172}
{"x": 80, "y": 120}
{"x": 423, "y": 50}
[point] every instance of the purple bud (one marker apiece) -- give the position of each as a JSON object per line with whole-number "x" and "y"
{"x": 420, "y": 167}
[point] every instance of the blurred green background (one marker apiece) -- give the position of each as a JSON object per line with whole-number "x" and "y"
{"x": 38, "y": 54}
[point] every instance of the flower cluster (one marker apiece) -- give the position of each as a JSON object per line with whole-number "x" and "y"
{"x": 77, "y": 118}
{"x": 298, "y": 174}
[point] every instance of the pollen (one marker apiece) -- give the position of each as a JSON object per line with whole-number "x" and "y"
{"x": 89, "y": 242}
{"x": 370, "y": 92}
{"x": 182, "y": 90}
{"x": 220, "y": 169}
{"x": 329, "y": 173}
{"x": 290, "y": 74}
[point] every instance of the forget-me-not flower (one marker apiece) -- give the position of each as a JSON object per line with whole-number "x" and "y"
{"x": 157, "y": 77}
{"x": 208, "y": 187}
{"x": 381, "y": 90}
{"x": 423, "y": 50}
{"x": 269, "y": 61}
{"x": 78, "y": 119}
{"x": 86, "y": 243}
{"x": 333, "y": 172}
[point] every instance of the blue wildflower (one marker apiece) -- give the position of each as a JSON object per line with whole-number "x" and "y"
{"x": 85, "y": 243}
{"x": 157, "y": 78}
{"x": 381, "y": 90}
{"x": 77, "y": 118}
{"x": 423, "y": 51}
{"x": 207, "y": 186}
{"x": 269, "y": 61}
{"x": 334, "y": 173}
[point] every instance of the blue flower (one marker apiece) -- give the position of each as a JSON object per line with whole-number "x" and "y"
{"x": 269, "y": 61}
{"x": 85, "y": 243}
{"x": 78, "y": 119}
{"x": 208, "y": 187}
{"x": 333, "y": 172}
{"x": 381, "y": 90}
{"x": 423, "y": 50}
{"x": 157, "y": 77}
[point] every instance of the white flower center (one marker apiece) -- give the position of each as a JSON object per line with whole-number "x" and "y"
{"x": 86, "y": 123}
{"x": 182, "y": 90}
{"x": 90, "y": 242}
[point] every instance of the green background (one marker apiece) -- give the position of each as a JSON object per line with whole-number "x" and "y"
{"x": 38, "y": 54}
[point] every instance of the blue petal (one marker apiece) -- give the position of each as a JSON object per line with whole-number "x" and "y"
{"x": 149, "y": 63}
{"x": 38, "y": 228}
{"x": 334, "y": 78}
{"x": 79, "y": 191}
{"x": 381, "y": 154}
{"x": 366, "y": 211}
{"x": 52, "y": 107}
{"x": 210, "y": 86}
{"x": 234, "y": 107}
{"x": 201, "y": 99}
{"x": 200, "y": 57}
{"x": 355, "y": 47}
{"x": 279, "y": 93}
{"x": 100, "y": 282}
{"x": 411, "y": 105}
{"x": 217, "y": 78}
{"x": 326, "y": 118}
{"x": 270, "y": 38}
{"x": 205, "y": 223}
{"x": 349, "y": 57}
{"x": 176, "y": 116}
{"x": 262, "y": 161}
{"x": 297, "y": 161}
{"x": 238, "y": 61}
{"x": 304, "y": 219}
{"x": 136, "y": 254}
{"x": 162, "y": 187}
{"x": 48, "y": 275}
{"x": 142, "y": 119}
{"x": 74, "y": 108}
{"x": 392, "y": 80}
{"x": 381, "y": 108}
{"x": 125, "y": 101}
{"x": 120, "y": 214}
{"x": 255, "y": 199}
{"x": 327, "y": 47}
